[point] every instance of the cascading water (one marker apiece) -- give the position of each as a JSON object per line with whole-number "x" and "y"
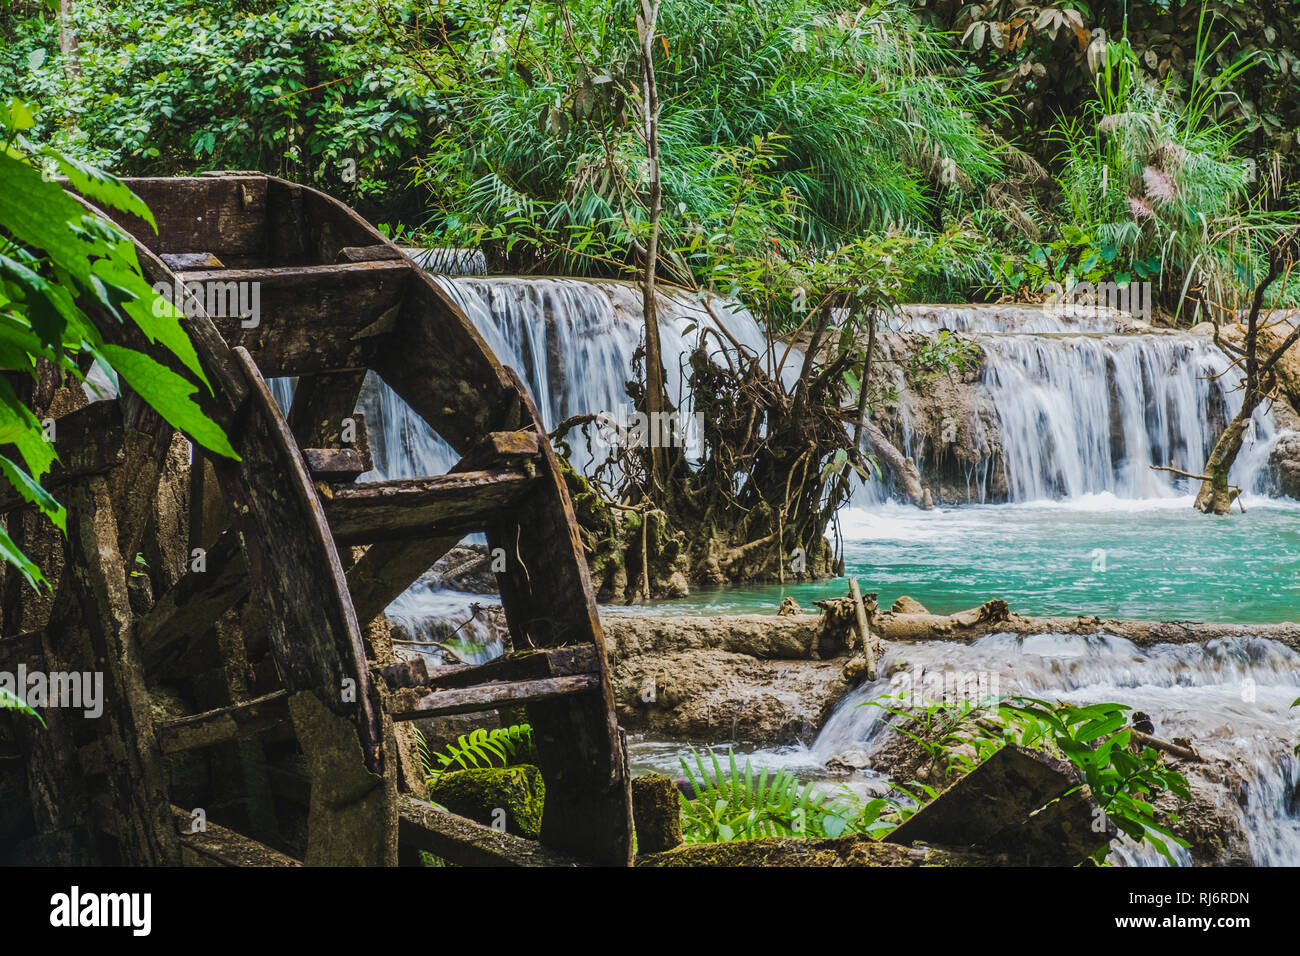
{"x": 1079, "y": 408}
{"x": 1231, "y": 697}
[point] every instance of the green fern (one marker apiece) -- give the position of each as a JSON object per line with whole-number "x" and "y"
{"x": 480, "y": 748}
{"x": 11, "y": 701}
{"x": 738, "y": 804}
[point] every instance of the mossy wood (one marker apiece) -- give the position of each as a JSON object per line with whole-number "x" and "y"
{"x": 236, "y": 631}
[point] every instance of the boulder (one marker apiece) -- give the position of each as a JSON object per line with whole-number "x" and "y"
{"x": 484, "y": 795}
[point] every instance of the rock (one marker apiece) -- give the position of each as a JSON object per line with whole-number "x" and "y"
{"x": 907, "y": 605}
{"x": 789, "y": 608}
{"x": 711, "y": 694}
{"x": 481, "y": 794}
{"x": 677, "y": 586}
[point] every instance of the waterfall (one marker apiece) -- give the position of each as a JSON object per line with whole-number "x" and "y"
{"x": 1231, "y": 697}
{"x": 571, "y": 341}
{"x": 1082, "y": 404}
{"x": 1087, "y": 414}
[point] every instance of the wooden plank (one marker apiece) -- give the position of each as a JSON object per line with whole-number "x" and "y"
{"x": 216, "y": 845}
{"x": 224, "y": 217}
{"x": 1002, "y": 792}
{"x": 405, "y": 673}
{"x": 310, "y": 318}
{"x": 508, "y": 445}
{"x": 456, "y": 503}
{"x": 313, "y": 633}
{"x": 412, "y": 704}
{"x": 367, "y": 254}
{"x": 466, "y": 843}
{"x": 136, "y": 783}
{"x": 388, "y": 568}
{"x": 224, "y": 723}
{"x": 180, "y": 261}
{"x": 518, "y": 665}
{"x": 547, "y": 595}
{"x": 88, "y": 441}
{"x": 188, "y": 611}
{"x": 320, "y": 405}
{"x": 336, "y": 464}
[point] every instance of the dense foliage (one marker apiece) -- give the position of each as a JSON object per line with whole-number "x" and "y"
{"x": 60, "y": 264}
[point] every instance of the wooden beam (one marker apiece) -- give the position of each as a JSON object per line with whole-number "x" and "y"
{"x": 185, "y": 613}
{"x": 388, "y": 568}
{"x": 413, "y": 704}
{"x": 225, "y": 723}
{"x": 216, "y": 845}
{"x": 456, "y": 503}
{"x": 221, "y": 216}
{"x": 310, "y": 319}
{"x": 336, "y": 464}
{"x": 466, "y": 843}
{"x": 321, "y": 403}
{"x": 518, "y": 665}
{"x": 88, "y": 442}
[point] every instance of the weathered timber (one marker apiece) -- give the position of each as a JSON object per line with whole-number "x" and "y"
{"x": 466, "y": 843}
{"x": 508, "y": 445}
{"x": 407, "y": 673}
{"x": 188, "y": 611}
{"x": 1002, "y": 792}
{"x": 421, "y": 507}
{"x": 657, "y": 812}
{"x": 136, "y": 784}
{"x": 588, "y": 809}
{"x": 222, "y": 724}
{"x": 89, "y": 442}
{"x": 311, "y": 318}
{"x": 180, "y": 261}
{"x": 321, "y": 403}
{"x": 215, "y": 845}
{"x": 220, "y": 216}
{"x": 519, "y": 665}
{"x": 313, "y": 633}
{"x": 367, "y": 254}
{"x": 336, "y": 464}
{"x": 412, "y": 704}
{"x": 307, "y": 225}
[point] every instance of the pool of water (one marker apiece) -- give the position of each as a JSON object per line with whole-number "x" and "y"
{"x": 1155, "y": 559}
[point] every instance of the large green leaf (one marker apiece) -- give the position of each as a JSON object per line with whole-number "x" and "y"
{"x": 170, "y": 395}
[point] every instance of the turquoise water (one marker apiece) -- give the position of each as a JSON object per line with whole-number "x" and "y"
{"x": 1153, "y": 559}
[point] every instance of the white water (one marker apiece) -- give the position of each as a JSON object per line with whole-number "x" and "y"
{"x": 1231, "y": 697}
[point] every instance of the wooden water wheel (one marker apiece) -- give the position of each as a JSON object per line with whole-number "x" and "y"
{"x": 259, "y": 626}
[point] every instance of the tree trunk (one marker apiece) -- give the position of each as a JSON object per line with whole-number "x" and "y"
{"x": 656, "y": 399}
{"x": 1216, "y": 495}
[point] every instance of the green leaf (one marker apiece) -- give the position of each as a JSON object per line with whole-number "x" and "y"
{"x": 170, "y": 395}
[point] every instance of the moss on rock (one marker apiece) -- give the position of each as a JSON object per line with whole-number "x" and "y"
{"x": 483, "y": 795}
